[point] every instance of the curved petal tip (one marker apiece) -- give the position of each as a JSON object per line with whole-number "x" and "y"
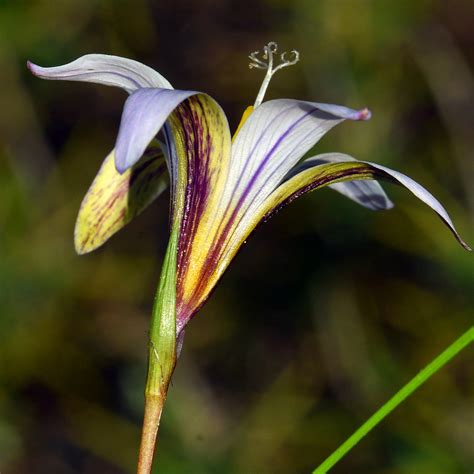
{"x": 469, "y": 249}
{"x": 120, "y": 165}
{"x": 364, "y": 114}
{"x": 33, "y": 68}
{"x": 38, "y": 71}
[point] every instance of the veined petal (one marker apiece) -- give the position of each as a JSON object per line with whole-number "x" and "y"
{"x": 104, "y": 69}
{"x": 338, "y": 169}
{"x": 274, "y": 138}
{"x": 369, "y": 194}
{"x": 114, "y": 199}
{"x": 344, "y": 168}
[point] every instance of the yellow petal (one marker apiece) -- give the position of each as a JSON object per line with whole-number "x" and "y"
{"x": 114, "y": 199}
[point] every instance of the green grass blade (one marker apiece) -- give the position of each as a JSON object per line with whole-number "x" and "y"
{"x": 397, "y": 399}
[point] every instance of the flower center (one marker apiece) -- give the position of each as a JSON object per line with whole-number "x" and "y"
{"x": 265, "y": 61}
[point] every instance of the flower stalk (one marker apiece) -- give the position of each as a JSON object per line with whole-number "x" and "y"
{"x": 151, "y": 422}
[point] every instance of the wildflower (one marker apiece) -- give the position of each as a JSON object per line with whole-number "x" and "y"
{"x": 221, "y": 187}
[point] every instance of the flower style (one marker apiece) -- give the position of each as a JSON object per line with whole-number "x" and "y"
{"x": 221, "y": 187}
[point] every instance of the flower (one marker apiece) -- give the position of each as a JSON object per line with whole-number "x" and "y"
{"x": 221, "y": 187}
{"x": 220, "y": 191}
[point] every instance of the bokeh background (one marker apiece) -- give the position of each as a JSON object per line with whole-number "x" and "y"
{"x": 325, "y": 313}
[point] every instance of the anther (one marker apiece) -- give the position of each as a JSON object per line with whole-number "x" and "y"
{"x": 266, "y": 62}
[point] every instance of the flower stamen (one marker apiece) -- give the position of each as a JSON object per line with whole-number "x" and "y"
{"x": 266, "y": 62}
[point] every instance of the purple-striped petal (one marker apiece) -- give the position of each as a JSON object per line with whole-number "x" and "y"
{"x": 276, "y": 135}
{"x": 274, "y": 138}
{"x": 342, "y": 168}
{"x": 369, "y": 194}
{"x": 104, "y": 69}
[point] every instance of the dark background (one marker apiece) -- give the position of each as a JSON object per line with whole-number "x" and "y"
{"x": 327, "y": 311}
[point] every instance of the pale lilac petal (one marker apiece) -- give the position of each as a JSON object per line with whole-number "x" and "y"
{"x": 144, "y": 114}
{"x": 369, "y": 194}
{"x": 104, "y": 69}
{"x": 273, "y": 139}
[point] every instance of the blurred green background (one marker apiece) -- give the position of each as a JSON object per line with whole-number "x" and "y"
{"x": 327, "y": 311}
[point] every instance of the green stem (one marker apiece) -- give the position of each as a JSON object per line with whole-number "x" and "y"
{"x": 398, "y": 398}
{"x": 161, "y": 355}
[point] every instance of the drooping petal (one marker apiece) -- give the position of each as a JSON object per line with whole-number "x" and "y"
{"x": 114, "y": 199}
{"x": 342, "y": 168}
{"x": 369, "y": 194}
{"x": 144, "y": 114}
{"x": 104, "y": 69}
{"x": 339, "y": 168}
